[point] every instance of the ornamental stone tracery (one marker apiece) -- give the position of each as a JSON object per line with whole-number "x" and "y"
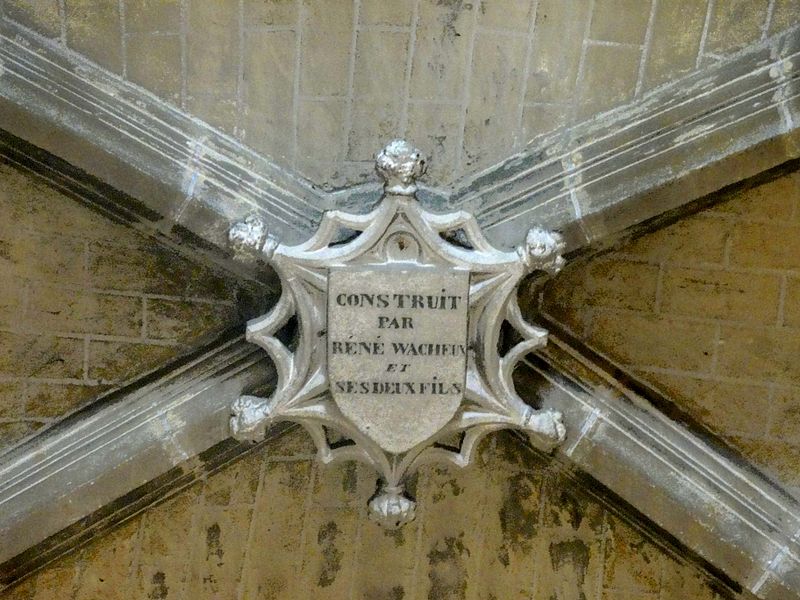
{"x": 396, "y": 359}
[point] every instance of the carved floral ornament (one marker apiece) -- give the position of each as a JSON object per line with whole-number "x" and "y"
{"x": 396, "y": 359}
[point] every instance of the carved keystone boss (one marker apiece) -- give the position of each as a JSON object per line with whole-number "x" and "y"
{"x": 396, "y": 359}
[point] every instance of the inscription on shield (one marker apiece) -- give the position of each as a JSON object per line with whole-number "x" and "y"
{"x": 397, "y": 349}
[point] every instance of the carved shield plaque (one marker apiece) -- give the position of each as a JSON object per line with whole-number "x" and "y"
{"x": 399, "y": 326}
{"x": 397, "y": 349}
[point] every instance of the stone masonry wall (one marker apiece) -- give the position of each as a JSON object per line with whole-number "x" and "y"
{"x": 708, "y": 310}
{"x": 320, "y": 84}
{"x": 277, "y": 525}
{"x": 86, "y": 304}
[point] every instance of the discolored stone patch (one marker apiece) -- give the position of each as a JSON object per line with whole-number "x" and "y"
{"x": 281, "y": 539}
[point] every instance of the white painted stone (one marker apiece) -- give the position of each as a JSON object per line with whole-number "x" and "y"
{"x": 397, "y": 349}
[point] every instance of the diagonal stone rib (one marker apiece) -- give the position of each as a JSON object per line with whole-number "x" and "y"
{"x": 682, "y": 141}
{"x": 690, "y": 485}
{"x": 144, "y": 443}
{"x": 188, "y": 173}
{"x": 123, "y": 441}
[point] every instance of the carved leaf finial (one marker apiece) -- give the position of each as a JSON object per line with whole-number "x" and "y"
{"x": 400, "y": 164}
{"x": 251, "y": 236}
{"x": 461, "y": 385}
{"x": 542, "y": 251}
{"x": 391, "y": 508}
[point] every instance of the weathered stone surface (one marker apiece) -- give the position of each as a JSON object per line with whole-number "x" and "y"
{"x": 89, "y": 463}
{"x": 267, "y": 94}
{"x": 41, "y": 15}
{"x": 591, "y": 169}
{"x": 718, "y": 333}
{"x": 85, "y": 300}
{"x": 735, "y": 24}
{"x": 492, "y": 114}
{"x": 163, "y": 16}
{"x": 462, "y": 57}
{"x": 669, "y": 287}
{"x": 677, "y": 31}
{"x": 325, "y": 73}
{"x": 783, "y": 13}
{"x": 612, "y": 72}
{"x": 722, "y": 295}
{"x": 552, "y": 76}
{"x": 95, "y": 32}
{"x": 395, "y": 328}
{"x": 506, "y": 527}
{"x": 621, "y": 21}
{"x": 154, "y": 62}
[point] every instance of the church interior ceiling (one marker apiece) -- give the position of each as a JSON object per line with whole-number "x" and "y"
{"x": 659, "y": 137}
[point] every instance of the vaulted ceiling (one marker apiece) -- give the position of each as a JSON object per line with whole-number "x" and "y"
{"x": 317, "y": 86}
{"x": 660, "y": 137}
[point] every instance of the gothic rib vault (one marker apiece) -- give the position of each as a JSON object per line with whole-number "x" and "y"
{"x": 732, "y": 518}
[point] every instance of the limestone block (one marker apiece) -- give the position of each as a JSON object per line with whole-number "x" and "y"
{"x": 736, "y": 23}
{"x": 543, "y": 118}
{"x": 622, "y": 284}
{"x": 784, "y": 421}
{"x": 325, "y": 70}
{"x": 115, "y": 362}
{"x": 754, "y": 245}
{"x": 495, "y": 89}
{"x": 711, "y": 401}
{"x": 143, "y": 16}
{"x": 436, "y": 129}
{"x": 622, "y": 21}
{"x": 53, "y": 400}
{"x": 13, "y": 432}
{"x": 320, "y": 131}
{"x": 154, "y": 62}
{"x": 675, "y": 42}
{"x": 278, "y": 523}
{"x": 721, "y": 295}
{"x": 655, "y": 342}
{"x": 442, "y": 54}
{"x": 328, "y": 557}
{"x": 94, "y": 29}
{"x": 632, "y": 563}
{"x": 380, "y": 64}
{"x": 102, "y": 577}
{"x": 378, "y": 12}
{"x": 513, "y": 15}
{"x": 218, "y": 109}
{"x": 265, "y": 13}
{"x": 693, "y": 241}
{"x": 25, "y": 355}
{"x": 791, "y": 305}
{"x": 559, "y": 24}
{"x": 40, "y": 15}
{"x": 77, "y": 311}
{"x": 785, "y": 14}
{"x": 181, "y": 321}
{"x": 760, "y": 353}
{"x": 268, "y": 71}
{"x": 214, "y": 566}
{"x": 609, "y": 78}
{"x": 570, "y": 553}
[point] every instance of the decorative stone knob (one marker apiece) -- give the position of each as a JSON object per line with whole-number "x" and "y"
{"x": 391, "y": 508}
{"x": 250, "y": 418}
{"x": 399, "y": 164}
{"x": 251, "y": 236}
{"x": 542, "y": 251}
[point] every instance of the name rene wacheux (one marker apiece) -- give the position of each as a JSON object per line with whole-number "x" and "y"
{"x": 355, "y": 348}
